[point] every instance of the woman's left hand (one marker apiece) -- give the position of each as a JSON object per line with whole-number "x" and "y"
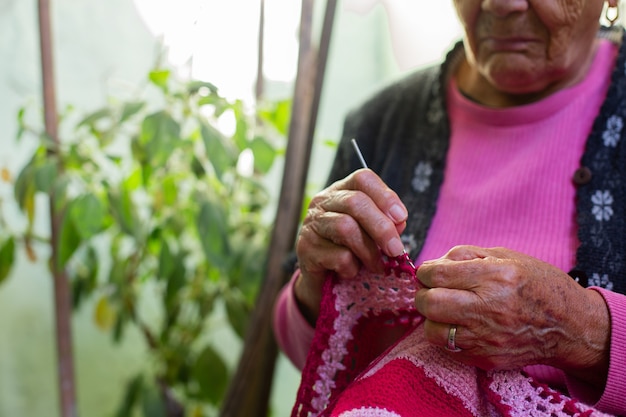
{"x": 513, "y": 310}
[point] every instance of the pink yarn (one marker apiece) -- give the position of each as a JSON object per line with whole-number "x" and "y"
{"x": 369, "y": 358}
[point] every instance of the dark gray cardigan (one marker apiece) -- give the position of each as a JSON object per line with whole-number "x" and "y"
{"x": 403, "y": 132}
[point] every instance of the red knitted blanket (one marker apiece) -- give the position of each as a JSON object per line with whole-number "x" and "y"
{"x": 369, "y": 358}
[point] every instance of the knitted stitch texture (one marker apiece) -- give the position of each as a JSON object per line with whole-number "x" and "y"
{"x": 369, "y": 358}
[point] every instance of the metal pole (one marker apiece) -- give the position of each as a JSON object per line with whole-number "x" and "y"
{"x": 249, "y": 392}
{"x": 62, "y": 296}
{"x": 260, "y": 58}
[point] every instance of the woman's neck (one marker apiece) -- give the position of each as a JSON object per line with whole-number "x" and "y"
{"x": 475, "y": 86}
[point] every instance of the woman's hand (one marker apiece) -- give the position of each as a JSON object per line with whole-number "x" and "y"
{"x": 346, "y": 226}
{"x": 512, "y": 310}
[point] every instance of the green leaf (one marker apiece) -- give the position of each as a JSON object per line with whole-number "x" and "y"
{"x": 87, "y": 213}
{"x": 264, "y": 154}
{"x": 218, "y": 103}
{"x": 146, "y": 172}
{"x": 117, "y": 272}
{"x": 20, "y": 123}
{"x": 78, "y": 292}
{"x": 100, "y": 124}
{"x": 241, "y": 131}
{"x": 330, "y": 143}
{"x": 69, "y": 241}
{"x": 84, "y": 275}
{"x": 152, "y": 404}
{"x": 7, "y": 256}
{"x": 246, "y": 271}
{"x": 119, "y": 327}
{"x": 211, "y": 374}
{"x": 194, "y": 87}
{"x": 216, "y": 151}
{"x": 197, "y": 168}
{"x": 172, "y": 313}
{"x": 176, "y": 280}
{"x": 45, "y": 175}
{"x": 206, "y": 302}
{"x": 123, "y": 210}
{"x": 134, "y": 180}
{"x": 104, "y": 314}
{"x": 116, "y": 159}
{"x": 131, "y": 397}
{"x": 160, "y": 134}
{"x": 169, "y": 188}
{"x": 24, "y": 189}
{"x": 160, "y": 78}
{"x": 130, "y": 109}
{"x": 238, "y": 314}
{"x": 278, "y": 115}
{"x": 95, "y": 117}
{"x": 213, "y": 233}
{"x": 60, "y": 187}
{"x": 166, "y": 261}
{"x": 25, "y": 182}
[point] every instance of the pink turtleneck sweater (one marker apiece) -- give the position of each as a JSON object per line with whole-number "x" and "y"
{"x": 490, "y": 197}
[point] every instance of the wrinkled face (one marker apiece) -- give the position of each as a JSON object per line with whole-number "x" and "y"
{"x": 527, "y": 46}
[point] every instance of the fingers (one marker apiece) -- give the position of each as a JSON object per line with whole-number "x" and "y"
{"x": 463, "y": 345}
{"x": 466, "y": 267}
{"x": 447, "y": 305}
{"x": 346, "y": 227}
{"x": 358, "y": 214}
{"x": 367, "y": 182}
{"x": 502, "y": 304}
{"x": 377, "y": 209}
{"x": 439, "y": 334}
{"x": 317, "y": 253}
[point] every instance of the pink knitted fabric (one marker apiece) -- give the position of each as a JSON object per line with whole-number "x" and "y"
{"x": 369, "y": 358}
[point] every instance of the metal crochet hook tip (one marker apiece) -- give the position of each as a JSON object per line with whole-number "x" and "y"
{"x": 358, "y": 153}
{"x": 364, "y": 165}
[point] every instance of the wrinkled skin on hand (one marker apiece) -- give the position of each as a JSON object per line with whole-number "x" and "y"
{"x": 512, "y": 310}
{"x": 347, "y": 226}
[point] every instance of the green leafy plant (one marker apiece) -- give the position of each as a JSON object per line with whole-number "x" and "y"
{"x": 159, "y": 201}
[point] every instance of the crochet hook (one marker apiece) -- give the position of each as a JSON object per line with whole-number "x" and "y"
{"x": 359, "y": 154}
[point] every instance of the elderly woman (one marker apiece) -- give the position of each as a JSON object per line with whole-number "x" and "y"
{"x": 503, "y": 173}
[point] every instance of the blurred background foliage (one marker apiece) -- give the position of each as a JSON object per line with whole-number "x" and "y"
{"x": 162, "y": 204}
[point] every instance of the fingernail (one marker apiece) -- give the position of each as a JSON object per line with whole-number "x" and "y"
{"x": 398, "y": 213}
{"x": 395, "y": 247}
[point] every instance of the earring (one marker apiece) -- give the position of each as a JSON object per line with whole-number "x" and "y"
{"x": 612, "y": 15}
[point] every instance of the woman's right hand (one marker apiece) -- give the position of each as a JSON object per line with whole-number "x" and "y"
{"x": 347, "y": 226}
